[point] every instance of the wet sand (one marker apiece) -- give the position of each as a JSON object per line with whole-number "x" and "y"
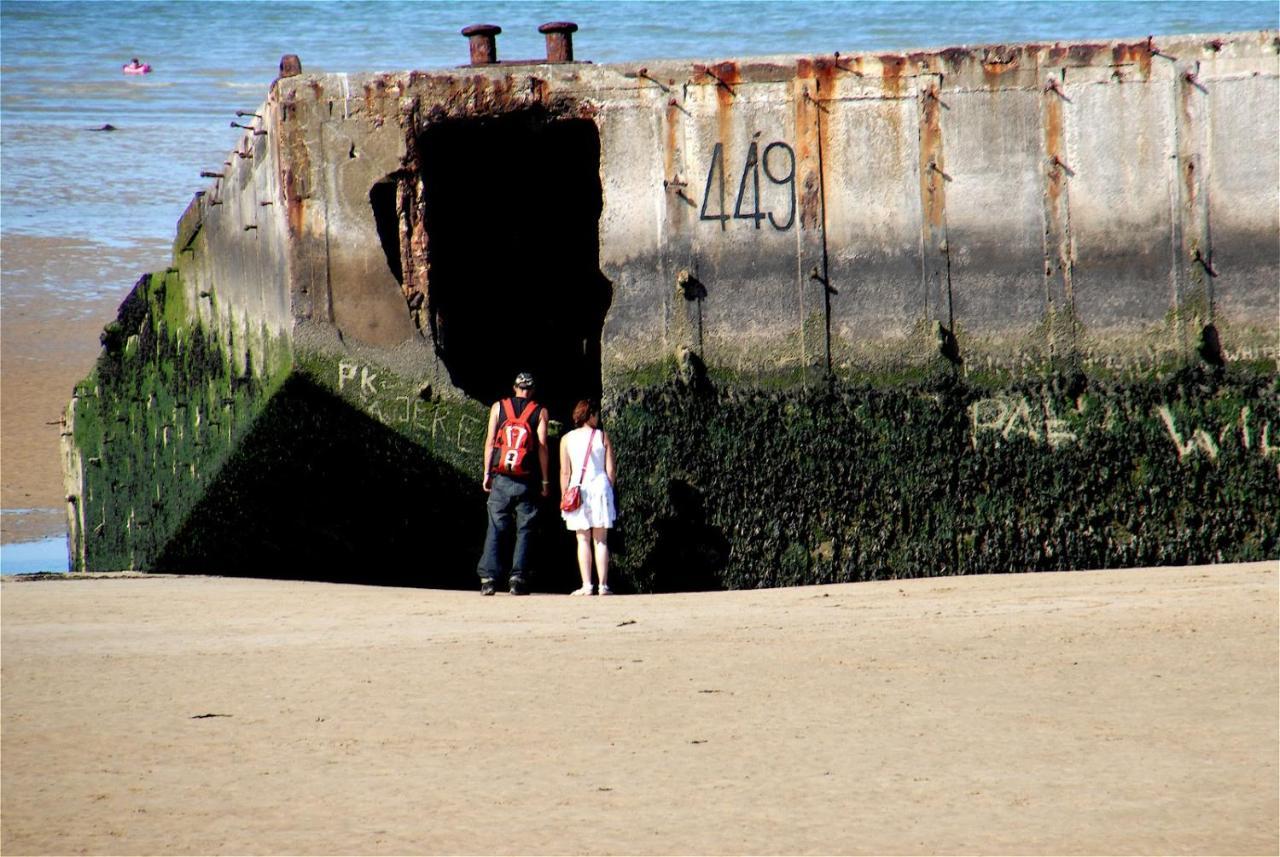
{"x": 1085, "y": 712}
{"x": 47, "y": 344}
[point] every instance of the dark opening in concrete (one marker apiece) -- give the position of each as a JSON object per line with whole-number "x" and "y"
{"x": 382, "y": 199}
{"x": 513, "y": 208}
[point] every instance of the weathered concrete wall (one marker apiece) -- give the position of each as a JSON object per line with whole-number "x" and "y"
{"x": 959, "y": 228}
{"x": 997, "y": 191}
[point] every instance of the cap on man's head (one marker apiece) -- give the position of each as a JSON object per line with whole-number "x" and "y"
{"x": 524, "y": 381}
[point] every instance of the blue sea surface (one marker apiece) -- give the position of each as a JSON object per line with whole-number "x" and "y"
{"x": 28, "y": 557}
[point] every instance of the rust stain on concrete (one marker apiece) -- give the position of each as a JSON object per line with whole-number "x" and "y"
{"x": 291, "y": 151}
{"x": 932, "y": 165}
{"x": 725, "y": 76}
{"x": 996, "y": 62}
{"x": 382, "y": 97}
{"x": 892, "y": 67}
{"x": 808, "y": 143}
{"x": 1052, "y": 125}
{"x": 1074, "y": 55}
{"x": 826, "y": 72}
{"x": 1186, "y": 90}
{"x": 671, "y": 119}
{"x": 1054, "y": 175}
{"x": 952, "y": 58}
{"x": 1132, "y": 53}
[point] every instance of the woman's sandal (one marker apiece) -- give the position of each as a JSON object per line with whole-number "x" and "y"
{"x": 604, "y": 590}
{"x": 585, "y": 590}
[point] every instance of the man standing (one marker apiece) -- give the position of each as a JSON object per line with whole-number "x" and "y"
{"x": 515, "y": 467}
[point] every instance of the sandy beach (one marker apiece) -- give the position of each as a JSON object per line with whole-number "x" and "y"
{"x": 1085, "y": 712}
{"x": 46, "y": 346}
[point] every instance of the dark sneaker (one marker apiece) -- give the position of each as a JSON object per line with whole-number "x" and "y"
{"x": 487, "y": 587}
{"x": 518, "y": 587}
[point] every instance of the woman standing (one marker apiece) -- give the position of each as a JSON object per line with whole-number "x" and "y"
{"x": 586, "y": 461}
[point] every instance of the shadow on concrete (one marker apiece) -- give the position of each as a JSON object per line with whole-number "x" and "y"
{"x": 689, "y": 552}
{"x": 318, "y": 490}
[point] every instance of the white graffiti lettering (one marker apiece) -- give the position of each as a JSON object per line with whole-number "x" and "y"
{"x": 346, "y": 372}
{"x": 1202, "y": 442}
{"x": 1199, "y": 439}
{"x": 407, "y": 406}
{"x": 1012, "y": 416}
{"x": 463, "y": 420}
{"x": 437, "y": 421}
{"x": 366, "y": 382}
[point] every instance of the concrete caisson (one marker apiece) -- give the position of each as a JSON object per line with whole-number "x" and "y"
{"x": 386, "y": 250}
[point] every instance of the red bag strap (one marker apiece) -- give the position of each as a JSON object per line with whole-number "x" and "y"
{"x": 508, "y": 409}
{"x": 586, "y": 456}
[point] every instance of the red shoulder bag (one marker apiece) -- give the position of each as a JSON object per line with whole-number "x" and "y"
{"x": 572, "y": 498}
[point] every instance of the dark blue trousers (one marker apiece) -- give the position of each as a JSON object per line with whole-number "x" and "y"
{"x": 513, "y": 510}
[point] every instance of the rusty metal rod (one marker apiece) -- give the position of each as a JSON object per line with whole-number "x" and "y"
{"x": 844, "y": 67}
{"x": 815, "y": 102}
{"x": 644, "y": 73}
{"x": 719, "y": 80}
{"x": 827, "y": 289}
{"x": 1199, "y": 257}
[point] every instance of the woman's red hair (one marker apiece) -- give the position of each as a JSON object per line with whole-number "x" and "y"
{"x": 582, "y": 412}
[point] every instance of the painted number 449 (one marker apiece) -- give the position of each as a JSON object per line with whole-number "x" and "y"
{"x": 747, "y": 205}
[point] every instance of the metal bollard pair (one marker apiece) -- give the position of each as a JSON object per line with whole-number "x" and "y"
{"x": 484, "y": 41}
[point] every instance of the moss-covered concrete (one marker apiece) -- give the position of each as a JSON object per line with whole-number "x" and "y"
{"x": 724, "y": 486}
{"x": 322, "y": 463}
{"x": 296, "y": 463}
{"x": 154, "y": 421}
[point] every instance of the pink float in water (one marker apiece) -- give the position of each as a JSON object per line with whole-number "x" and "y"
{"x": 135, "y": 67}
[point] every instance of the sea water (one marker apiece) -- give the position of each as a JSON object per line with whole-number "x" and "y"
{"x": 84, "y": 212}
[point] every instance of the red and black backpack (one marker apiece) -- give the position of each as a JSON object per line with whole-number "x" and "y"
{"x": 515, "y": 441}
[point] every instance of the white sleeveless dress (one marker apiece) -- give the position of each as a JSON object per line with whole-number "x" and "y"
{"x": 597, "y": 509}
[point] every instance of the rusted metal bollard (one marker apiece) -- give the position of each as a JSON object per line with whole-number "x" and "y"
{"x": 484, "y": 43}
{"x": 559, "y": 40}
{"x": 290, "y": 65}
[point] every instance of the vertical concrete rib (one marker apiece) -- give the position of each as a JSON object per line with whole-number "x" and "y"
{"x": 811, "y": 257}
{"x": 935, "y": 272}
{"x": 1059, "y": 308}
{"x": 682, "y": 309}
{"x": 1193, "y": 251}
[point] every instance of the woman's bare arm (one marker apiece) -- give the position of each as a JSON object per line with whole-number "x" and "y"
{"x": 609, "y": 469}
{"x": 564, "y": 464}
